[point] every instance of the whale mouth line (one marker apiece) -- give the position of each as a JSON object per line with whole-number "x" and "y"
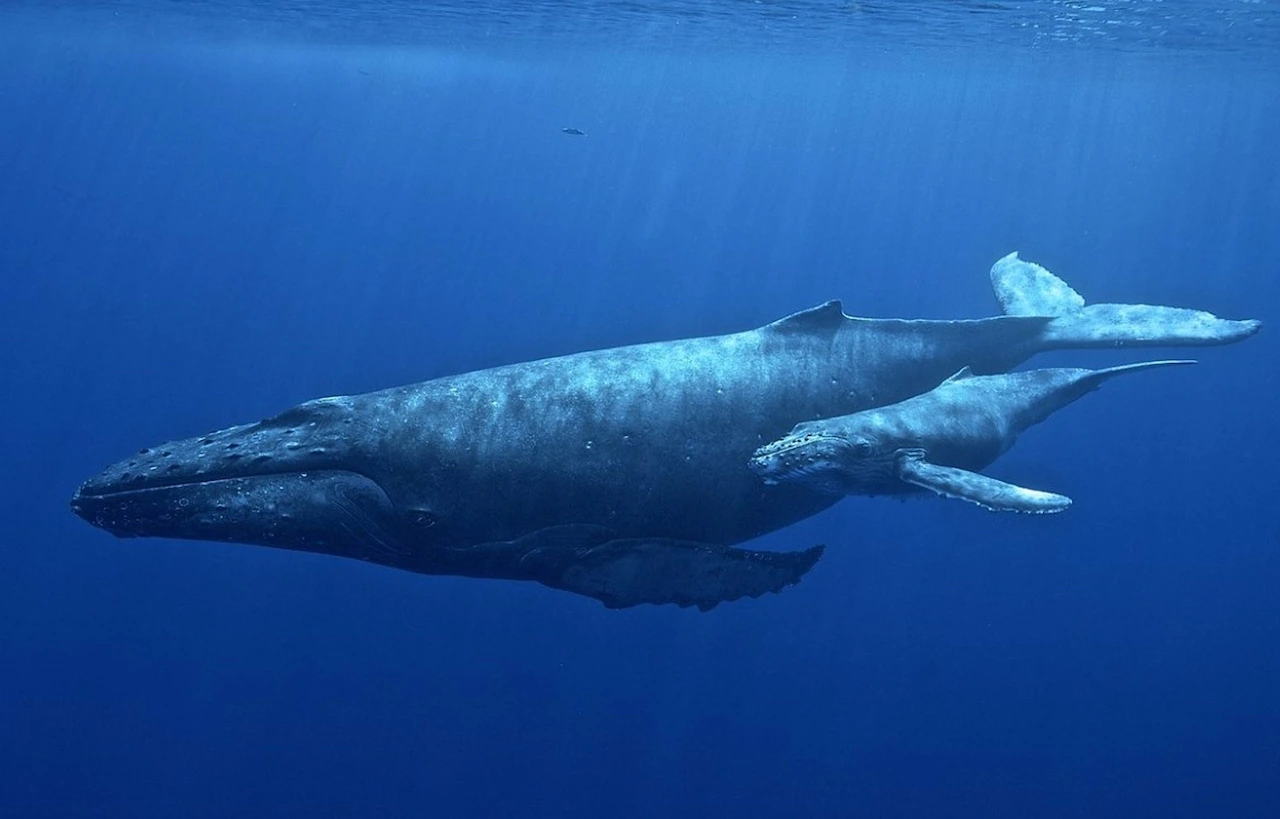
{"x": 138, "y": 483}
{"x": 331, "y": 510}
{"x": 87, "y": 498}
{"x": 193, "y": 483}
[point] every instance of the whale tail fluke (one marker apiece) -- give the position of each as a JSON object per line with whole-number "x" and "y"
{"x": 1027, "y": 289}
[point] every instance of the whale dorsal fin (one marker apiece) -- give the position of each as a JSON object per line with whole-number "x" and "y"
{"x": 964, "y": 374}
{"x": 827, "y": 316}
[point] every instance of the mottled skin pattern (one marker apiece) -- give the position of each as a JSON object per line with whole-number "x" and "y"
{"x": 650, "y": 441}
{"x": 580, "y": 471}
{"x": 657, "y": 427}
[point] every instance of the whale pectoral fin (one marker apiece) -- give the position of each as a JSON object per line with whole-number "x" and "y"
{"x": 988, "y": 493}
{"x": 627, "y": 572}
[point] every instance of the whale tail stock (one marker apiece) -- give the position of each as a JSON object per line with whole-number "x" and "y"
{"x": 1027, "y": 289}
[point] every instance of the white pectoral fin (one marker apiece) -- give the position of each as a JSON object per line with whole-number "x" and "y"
{"x": 989, "y": 493}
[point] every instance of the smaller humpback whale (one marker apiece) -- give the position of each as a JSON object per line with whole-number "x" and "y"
{"x": 936, "y": 440}
{"x": 573, "y": 132}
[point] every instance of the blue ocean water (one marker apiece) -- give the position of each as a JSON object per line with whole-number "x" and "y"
{"x": 212, "y": 211}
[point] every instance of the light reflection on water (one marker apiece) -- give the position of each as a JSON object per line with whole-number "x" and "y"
{"x": 1192, "y": 26}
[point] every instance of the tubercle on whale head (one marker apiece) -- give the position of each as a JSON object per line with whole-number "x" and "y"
{"x": 809, "y": 456}
{"x": 307, "y": 436}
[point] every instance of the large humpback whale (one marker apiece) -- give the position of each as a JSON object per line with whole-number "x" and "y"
{"x": 621, "y": 474}
{"x": 936, "y": 440}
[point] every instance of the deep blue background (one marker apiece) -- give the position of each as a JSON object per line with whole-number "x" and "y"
{"x": 196, "y": 233}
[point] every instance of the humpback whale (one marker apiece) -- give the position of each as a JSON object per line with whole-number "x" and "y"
{"x": 620, "y": 474}
{"x": 937, "y": 440}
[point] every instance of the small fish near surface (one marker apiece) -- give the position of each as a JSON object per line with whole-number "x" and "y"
{"x": 573, "y": 132}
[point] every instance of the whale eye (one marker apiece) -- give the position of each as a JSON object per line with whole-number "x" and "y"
{"x": 861, "y": 447}
{"x": 422, "y": 518}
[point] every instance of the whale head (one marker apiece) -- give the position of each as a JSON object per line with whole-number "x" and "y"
{"x": 839, "y": 459}
{"x": 306, "y": 479}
